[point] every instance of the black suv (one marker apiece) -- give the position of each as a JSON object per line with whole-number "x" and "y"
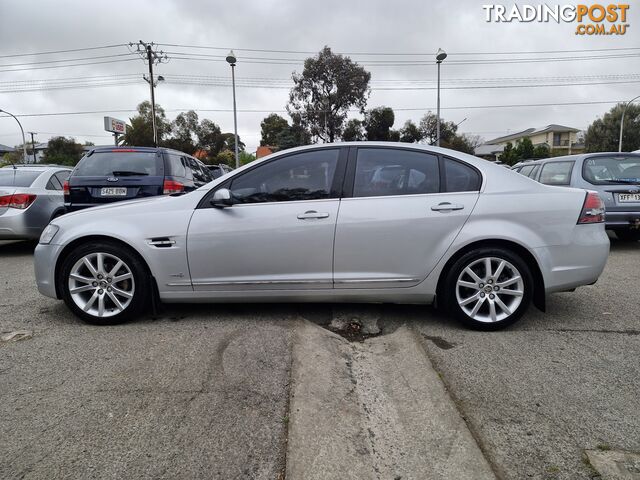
{"x": 111, "y": 174}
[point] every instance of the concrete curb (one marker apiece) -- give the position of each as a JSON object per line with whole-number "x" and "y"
{"x": 375, "y": 409}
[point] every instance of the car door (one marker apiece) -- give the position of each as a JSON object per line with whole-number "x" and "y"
{"x": 401, "y": 210}
{"x": 279, "y": 231}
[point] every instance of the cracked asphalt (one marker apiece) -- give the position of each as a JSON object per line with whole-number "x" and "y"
{"x": 203, "y": 391}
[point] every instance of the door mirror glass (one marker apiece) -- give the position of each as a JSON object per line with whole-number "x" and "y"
{"x": 222, "y": 198}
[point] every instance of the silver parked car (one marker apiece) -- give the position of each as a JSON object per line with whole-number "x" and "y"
{"x": 352, "y": 222}
{"x": 615, "y": 176}
{"x": 30, "y": 197}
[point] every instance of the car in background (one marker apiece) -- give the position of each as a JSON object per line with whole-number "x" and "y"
{"x": 615, "y": 176}
{"x": 30, "y": 197}
{"x": 219, "y": 170}
{"x": 112, "y": 174}
{"x": 363, "y": 222}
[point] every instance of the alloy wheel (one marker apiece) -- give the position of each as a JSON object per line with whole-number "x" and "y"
{"x": 101, "y": 284}
{"x": 489, "y": 289}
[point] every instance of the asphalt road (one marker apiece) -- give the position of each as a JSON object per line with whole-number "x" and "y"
{"x": 203, "y": 391}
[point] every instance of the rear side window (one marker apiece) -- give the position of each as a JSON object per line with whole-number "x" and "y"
{"x": 175, "y": 165}
{"x": 612, "y": 170}
{"x": 526, "y": 170}
{"x": 461, "y": 177}
{"x": 114, "y": 163}
{"x": 54, "y": 183}
{"x": 387, "y": 171}
{"x": 534, "y": 172}
{"x": 17, "y": 178}
{"x": 556, "y": 173}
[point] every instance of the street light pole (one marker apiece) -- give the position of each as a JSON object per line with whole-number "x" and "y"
{"x": 231, "y": 60}
{"x": 24, "y": 142}
{"x": 624, "y": 110}
{"x": 440, "y": 56}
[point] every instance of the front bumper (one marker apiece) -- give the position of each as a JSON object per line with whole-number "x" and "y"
{"x": 581, "y": 262}
{"x": 44, "y": 262}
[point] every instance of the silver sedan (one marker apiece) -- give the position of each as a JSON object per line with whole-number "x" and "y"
{"x": 351, "y": 222}
{"x": 30, "y": 197}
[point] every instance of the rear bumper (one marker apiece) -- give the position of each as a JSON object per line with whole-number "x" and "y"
{"x": 19, "y": 224}
{"x": 622, "y": 220}
{"x": 44, "y": 262}
{"x": 565, "y": 267}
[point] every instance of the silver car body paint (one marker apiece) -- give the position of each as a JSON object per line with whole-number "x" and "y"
{"x": 367, "y": 249}
{"x": 28, "y": 223}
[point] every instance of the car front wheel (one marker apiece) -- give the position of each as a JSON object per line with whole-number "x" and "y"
{"x": 104, "y": 283}
{"x": 489, "y": 288}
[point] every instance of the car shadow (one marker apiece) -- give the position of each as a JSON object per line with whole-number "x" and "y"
{"x": 11, "y": 248}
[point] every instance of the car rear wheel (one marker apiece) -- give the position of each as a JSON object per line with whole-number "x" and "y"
{"x": 489, "y": 288}
{"x": 104, "y": 283}
{"x": 628, "y": 235}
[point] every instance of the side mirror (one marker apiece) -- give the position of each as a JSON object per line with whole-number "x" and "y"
{"x": 222, "y": 198}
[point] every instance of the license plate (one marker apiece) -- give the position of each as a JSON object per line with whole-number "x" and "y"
{"x": 113, "y": 192}
{"x": 629, "y": 197}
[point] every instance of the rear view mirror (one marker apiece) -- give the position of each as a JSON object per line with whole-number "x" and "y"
{"x": 222, "y": 198}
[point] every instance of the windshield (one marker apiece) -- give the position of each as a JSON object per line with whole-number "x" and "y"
{"x": 17, "y": 178}
{"x": 114, "y": 163}
{"x": 612, "y": 170}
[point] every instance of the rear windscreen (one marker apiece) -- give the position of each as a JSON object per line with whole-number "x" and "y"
{"x": 612, "y": 170}
{"x": 104, "y": 164}
{"x": 17, "y": 178}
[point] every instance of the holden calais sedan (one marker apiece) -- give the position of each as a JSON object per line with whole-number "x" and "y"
{"x": 352, "y": 222}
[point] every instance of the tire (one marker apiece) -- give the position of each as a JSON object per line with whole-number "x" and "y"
{"x": 628, "y": 235}
{"x": 115, "y": 293}
{"x": 488, "y": 306}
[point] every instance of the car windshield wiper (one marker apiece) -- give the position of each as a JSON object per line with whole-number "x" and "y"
{"x": 624, "y": 182}
{"x": 127, "y": 173}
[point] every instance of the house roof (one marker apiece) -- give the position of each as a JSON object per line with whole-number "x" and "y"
{"x": 6, "y": 148}
{"x": 533, "y": 131}
{"x": 488, "y": 149}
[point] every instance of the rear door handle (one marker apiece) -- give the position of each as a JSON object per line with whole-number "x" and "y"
{"x": 446, "y": 207}
{"x": 312, "y": 214}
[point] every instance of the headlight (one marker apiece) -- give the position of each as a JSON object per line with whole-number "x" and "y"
{"x": 48, "y": 233}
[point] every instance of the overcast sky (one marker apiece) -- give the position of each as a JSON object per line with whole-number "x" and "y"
{"x": 371, "y": 26}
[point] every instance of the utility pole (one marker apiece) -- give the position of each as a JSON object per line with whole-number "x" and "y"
{"x": 33, "y": 145}
{"x": 151, "y": 56}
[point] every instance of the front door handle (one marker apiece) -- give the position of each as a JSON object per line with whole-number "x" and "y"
{"x": 446, "y": 207}
{"x": 312, "y": 214}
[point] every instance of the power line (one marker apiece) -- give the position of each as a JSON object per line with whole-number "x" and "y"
{"x": 399, "y": 109}
{"x": 50, "y": 52}
{"x": 67, "y": 66}
{"x": 67, "y": 60}
{"x": 306, "y": 52}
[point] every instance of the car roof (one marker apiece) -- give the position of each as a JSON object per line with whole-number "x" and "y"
{"x": 38, "y": 168}
{"x": 138, "y": 149}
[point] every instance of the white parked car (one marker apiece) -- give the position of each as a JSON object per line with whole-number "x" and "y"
{"x": 352, "y": 222}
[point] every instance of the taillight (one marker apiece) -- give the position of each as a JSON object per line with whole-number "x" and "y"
{"x": 592, "y": 209}
{"x": 65, "y": 187}
{"x": 17, "y": 200}
{"x": 171, "y": 186}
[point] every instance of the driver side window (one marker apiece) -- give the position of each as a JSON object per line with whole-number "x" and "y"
{"x": 301, "y": 176}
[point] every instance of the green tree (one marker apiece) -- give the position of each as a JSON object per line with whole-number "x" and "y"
{"x": 604, "y": 133}
{"x": 428, "y": 129}
{"x": 378, "y": 122}
{"x": 508, "y": 155}
{"x": 184, "y": 133}
{"x": 63, "y": 151}
{"x": 272, "y": 127}
{"x": 524, "y": 149}
{"x": 410, "y": 132}
{"x": 140, "y": 133}
{"x": 323, "y": 93}
{"x": 461, "y": 143}
{"x": 541, "y": 151}
{"x": 227, "y": 157}
{"x": 246, "y": 158}
{"x": 210, "y": 137}
{"x": 354, "y": 131}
